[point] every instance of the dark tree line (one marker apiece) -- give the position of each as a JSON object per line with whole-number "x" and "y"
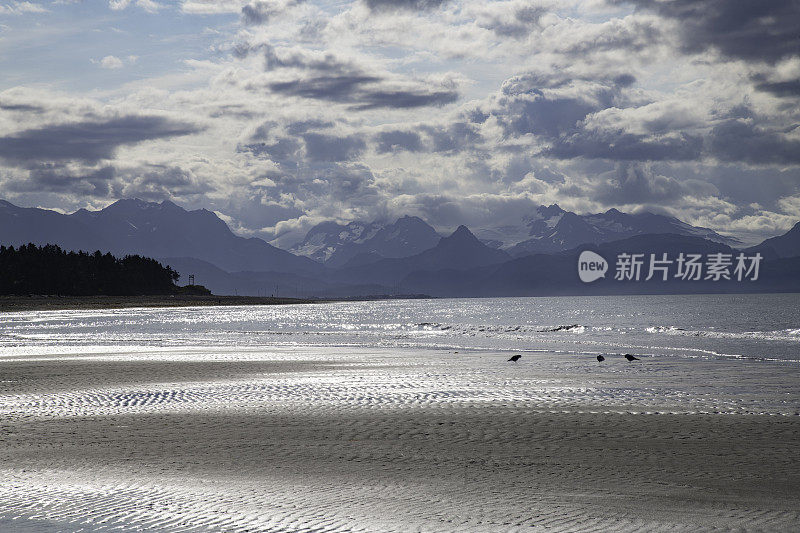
{"x": 48, "y": 269}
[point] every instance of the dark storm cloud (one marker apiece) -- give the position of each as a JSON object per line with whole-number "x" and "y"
{"x": 632, "y": 183}
{"x": 335, "y": 88}
{"x": 394, "y": 5}
{"x": 403, "y": 99}
{"x": 331, "y": 148}
{"x": 788, "y": 88}
{"x": 550, "y": 117}
{"x": 88, "y": 141}
{"x": 737, "y": 140}
{"x": 530, "y": 103}
{"x": 635, "y": 36}
{"x": 522, "y": 21}
{"x": 364, "y": 92}
{"x": 622, "y": 146}
{"x": 453, "y": 137}
{"x": 328, "y": 78}
{"x": 397, "y": 141}
{"x": 265, "y": 130}
{"x": 302, "y": 126}
{"x": 26, "y": 108}
{"x": 54, "y": 178}
{"x": 283, "y": 149}
{"x": 147, "y": 182}
{"x": 750, "y": 30}
{"x": 259, "y": 12}
{"x": 329, "y": 184}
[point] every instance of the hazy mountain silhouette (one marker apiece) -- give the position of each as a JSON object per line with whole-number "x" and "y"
{"x": 23, "y": 225}
{"x": 459, "y": 251}
{"x": 283, "y": 284}
{"x": 556, "y": 274}
{"x": 149, "y": 229}
{"x": 786, "y": 245}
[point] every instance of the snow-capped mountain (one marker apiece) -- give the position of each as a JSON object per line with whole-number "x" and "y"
{"x": 551, "y": 229}
{"x": 336, "y": 244}
{"x": 324, "y": 239}
{"x": 548, "y": 229}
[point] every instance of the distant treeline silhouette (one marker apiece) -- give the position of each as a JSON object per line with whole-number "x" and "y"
{"x": 31, "y": 269}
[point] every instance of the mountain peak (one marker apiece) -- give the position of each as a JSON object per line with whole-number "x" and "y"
{"x": 131, "y": 202}
{"x": 137, "y": 204}
{"x": 170, "y": 205}
{"x": 462, "y": 233}
{"x": 406, "y": 220}
{"x": 549, "y": 210}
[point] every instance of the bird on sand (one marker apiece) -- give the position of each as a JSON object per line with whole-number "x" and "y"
{"x": 515, "y": 358}
{"x": 629, "y": 357}
{"x": 600, "y": 358}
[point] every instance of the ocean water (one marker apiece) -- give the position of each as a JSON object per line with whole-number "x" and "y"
{"x": 763, "y": 327}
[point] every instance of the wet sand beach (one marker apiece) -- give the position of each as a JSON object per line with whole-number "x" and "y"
{"x": 356, "y": 439}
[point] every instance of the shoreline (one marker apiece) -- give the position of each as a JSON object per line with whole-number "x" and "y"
{"x": 10, "y": 304}
{"x": 39, "y": 302}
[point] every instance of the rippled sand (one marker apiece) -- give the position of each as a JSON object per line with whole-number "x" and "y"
{"x": 354, "y": 439}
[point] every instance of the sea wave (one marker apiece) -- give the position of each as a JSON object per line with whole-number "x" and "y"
{"x": 515, "y": 328}
{"x": 791, "y": 334}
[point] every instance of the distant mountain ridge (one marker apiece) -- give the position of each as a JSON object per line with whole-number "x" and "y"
{"x": 149, "y": 229}
{"x": 786, "y": 245}
{"x": 372, "y": 258}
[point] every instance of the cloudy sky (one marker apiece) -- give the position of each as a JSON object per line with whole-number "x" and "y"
{"x": 279, "y": 114}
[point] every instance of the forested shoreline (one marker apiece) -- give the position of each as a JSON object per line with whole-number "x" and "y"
{"x": 32, "y": 269}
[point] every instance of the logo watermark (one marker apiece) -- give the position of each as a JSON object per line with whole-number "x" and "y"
{"x": 663, "y": 267}
{"x": 591, "y": 266}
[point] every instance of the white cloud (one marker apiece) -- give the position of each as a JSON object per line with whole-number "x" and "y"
{"x": 212, "y": 7}
{"x": 111, "y": 62}
{"x": 19, "y": 8}
{"x": 148, "y": 5}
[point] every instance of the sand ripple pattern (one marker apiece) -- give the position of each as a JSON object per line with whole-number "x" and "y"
{"x": 393, "y": 441}
{"x": 93, "y": 506}
{"x": 338, "y": 391}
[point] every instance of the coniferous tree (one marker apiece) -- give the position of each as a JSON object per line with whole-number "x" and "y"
{"x": 31, "y": 269}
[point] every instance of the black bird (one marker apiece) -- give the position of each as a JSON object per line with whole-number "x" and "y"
{"x": 629, "y": 357}
{"x": 600, "y": 358}
{"x": 515, "y": 358}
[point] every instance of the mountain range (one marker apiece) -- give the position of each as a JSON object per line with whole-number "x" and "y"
{"x": 551, "y": 229}
{"x": 405, "y": 256}
{"x": 548, "y": 229}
